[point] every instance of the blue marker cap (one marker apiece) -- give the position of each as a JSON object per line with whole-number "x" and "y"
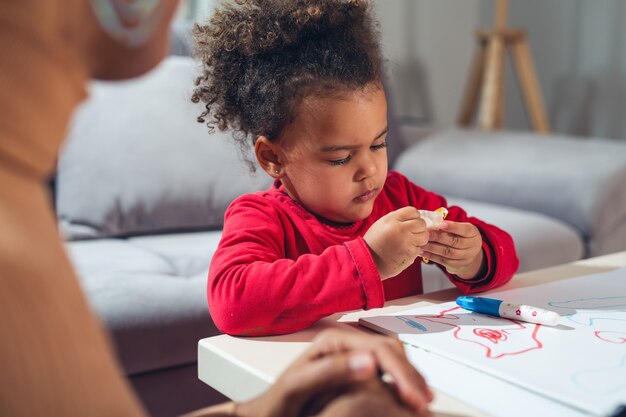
{"x": 480, "y": 305}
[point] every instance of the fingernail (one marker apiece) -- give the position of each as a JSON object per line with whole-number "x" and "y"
{"x": 361, "y": 364}
{"x": 388, "y": 378}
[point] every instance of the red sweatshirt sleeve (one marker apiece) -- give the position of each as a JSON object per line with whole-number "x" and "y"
{"x": 260, "y": 285}
{"x": 498, "y": 246}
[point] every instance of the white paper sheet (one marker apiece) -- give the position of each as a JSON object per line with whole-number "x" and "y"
{"x": 492, "y": 396}
{"x": 580, "y": 363}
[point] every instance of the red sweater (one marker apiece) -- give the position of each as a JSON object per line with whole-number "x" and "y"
{"x": 279, "y": 268}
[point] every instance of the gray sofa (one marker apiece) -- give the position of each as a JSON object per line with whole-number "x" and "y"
{"x": 141, "y": 190}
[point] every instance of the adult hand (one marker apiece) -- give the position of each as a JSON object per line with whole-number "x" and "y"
{"x": 368, "y": 399}
{"x": 395, "y": 240}
{"x": 335, "y": 365}
{"x": 458, "y": 247}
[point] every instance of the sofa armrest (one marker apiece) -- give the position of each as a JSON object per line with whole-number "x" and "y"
{"x": 579, "y": 181}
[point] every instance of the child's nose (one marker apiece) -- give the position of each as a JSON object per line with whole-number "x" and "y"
{"x": 367, "y": 167}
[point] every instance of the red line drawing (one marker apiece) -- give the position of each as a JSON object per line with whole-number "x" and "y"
{"x": 612, "y": 337}
{"x": 498, "y": 342}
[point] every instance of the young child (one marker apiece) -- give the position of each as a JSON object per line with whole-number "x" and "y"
{"x": 301, "y": 80}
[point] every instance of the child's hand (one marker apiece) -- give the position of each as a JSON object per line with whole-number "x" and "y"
{"x": 458, "y": 247}
{"x": 395, "y": 240}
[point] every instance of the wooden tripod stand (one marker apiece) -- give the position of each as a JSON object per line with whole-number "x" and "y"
{"x": 487, "y": 77}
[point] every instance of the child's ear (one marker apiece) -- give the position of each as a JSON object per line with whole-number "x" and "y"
{"x": 269, "y": 156}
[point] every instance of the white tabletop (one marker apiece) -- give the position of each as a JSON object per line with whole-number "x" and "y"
{"x": 242, "y": 368}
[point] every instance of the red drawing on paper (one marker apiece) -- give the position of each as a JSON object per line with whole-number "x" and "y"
{"x": 611, "y": 337}
{"x": 497, "y": 340}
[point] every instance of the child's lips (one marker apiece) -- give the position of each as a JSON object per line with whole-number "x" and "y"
{"x": 366, "y": 196}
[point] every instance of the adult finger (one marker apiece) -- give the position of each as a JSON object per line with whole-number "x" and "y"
{"x": 301, "y": 384}
{"x": 311, "y": 381}
{"x": 391, "y": 359}
{"x": 371, "y": 399}
{"x": 411, "y": 385}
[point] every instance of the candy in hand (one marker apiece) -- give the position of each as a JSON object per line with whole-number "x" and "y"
{"x": 433, "y": 219}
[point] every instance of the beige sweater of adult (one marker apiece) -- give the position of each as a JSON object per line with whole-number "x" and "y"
{"x": 55, "y": 359}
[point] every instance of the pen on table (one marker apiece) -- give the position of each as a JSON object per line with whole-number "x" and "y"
{"x": 508, "y": 310}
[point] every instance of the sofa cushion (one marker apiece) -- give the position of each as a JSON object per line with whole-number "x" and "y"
{"x": 150, "y": 292}
{"x": 580, "y": 181}
{"x": 540, "y": 241}
{"x": 136, "y": 161}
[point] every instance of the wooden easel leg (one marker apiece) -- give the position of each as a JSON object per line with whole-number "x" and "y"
{"x": 530, "y": 86}
{"x": 492, "y": 85}
{"x": 473, "y": 86}
{"x": 501, "y": 101}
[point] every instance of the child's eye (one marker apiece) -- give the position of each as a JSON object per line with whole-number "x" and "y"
{"x": 379, "y": 146}
{"x": 341, "y": 161}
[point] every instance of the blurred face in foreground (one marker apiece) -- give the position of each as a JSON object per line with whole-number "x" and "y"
{"x": 127, "y": 37}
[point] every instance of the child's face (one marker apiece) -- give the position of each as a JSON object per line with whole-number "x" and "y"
{"x": 335, "y": 160}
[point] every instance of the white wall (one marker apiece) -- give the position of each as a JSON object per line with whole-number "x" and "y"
{"x": 428, "y": 45}
{"x": 580, "y": 52}
{"x": 579, "y": 48}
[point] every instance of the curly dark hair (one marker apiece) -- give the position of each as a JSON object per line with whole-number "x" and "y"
{"x": 262, "y": 57}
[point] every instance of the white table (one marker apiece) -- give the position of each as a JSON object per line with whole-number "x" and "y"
{"x": 242, "y": 368}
